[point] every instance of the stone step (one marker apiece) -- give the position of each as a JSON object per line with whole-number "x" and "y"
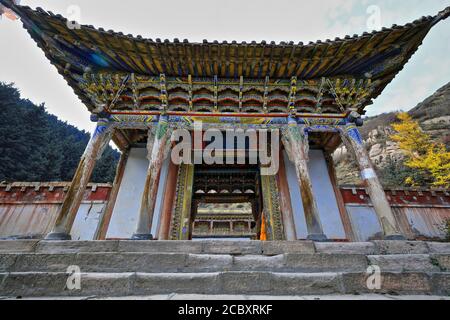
{"x": 186, "y": 262}
{"x": 35, "y": 284}
{"x": 226, "y": 247}
{"x": 181, "y": 262}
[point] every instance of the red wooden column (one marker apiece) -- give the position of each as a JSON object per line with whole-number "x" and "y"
{"x": 158, "y": 145}
{"x": 72, "y": 201}
{"x": 168, "y": 202}
{"x": 296, "y": 144}
{"x": 285, "y": 203}
{"x": 355, "y": 144}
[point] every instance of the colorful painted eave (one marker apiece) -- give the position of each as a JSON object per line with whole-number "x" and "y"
{"x": 379, "y": 55}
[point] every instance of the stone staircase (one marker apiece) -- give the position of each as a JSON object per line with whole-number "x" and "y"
{"x": 31, "y": 268}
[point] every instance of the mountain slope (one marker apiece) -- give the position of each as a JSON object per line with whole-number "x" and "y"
{"x": 36, "y": 146}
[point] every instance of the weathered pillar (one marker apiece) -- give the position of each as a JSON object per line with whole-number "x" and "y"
{"x": 102, "y": 228}
{"x": 158, "y": 145}
{"x": 72, "y": 201}
{"x": 354, "y": 143}
{"x": 296, "y": 144}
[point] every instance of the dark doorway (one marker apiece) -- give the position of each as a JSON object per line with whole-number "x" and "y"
{"x": 226, "y": 202}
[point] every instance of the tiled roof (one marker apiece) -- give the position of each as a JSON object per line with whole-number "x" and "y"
{"x": 379, "y": 55}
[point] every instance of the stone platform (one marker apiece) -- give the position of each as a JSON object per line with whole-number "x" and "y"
{"x": 244, "y": 270}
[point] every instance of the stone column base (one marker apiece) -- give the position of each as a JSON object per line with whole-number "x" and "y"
{"x": 317, "y": 237}
{"x": 395, "y": 237}
{"x": 58, "y": 236}
{"x": 142, "y": 237}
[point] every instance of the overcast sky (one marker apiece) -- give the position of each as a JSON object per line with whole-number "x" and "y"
{"x": 23, "y": 63}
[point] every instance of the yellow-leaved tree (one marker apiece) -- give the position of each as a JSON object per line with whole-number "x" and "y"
{"x": 422, "y": 153}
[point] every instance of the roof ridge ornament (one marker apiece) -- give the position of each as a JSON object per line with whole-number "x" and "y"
{"x": 442, "y": 15}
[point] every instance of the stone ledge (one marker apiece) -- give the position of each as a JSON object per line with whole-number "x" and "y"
{"x": 269, "y": 248}
{"x": 404, "y": 263}
{"x": 326, "y": 262}
{"x": 366, "y": 248}
{"x": 76, "y": 246}
{"x": 401, "y": 247}
{"x": 18, "y": 245}
{"x": 232, "y": 247}
{"x": 272, "y": 248}
{"x": 259, "y": 283}
{"x": 391, "y": 283}
{"x": 160, "y": 283}
{"x": 439, "y": 247}
{"x": 160, "y": 246}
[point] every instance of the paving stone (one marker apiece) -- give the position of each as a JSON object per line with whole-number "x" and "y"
{"x": 441, "y": 261}
{"x": 272, "y": 248}
{"x": 306, "y": 283}
{"x": 131, "y": 262}
{"x": 326, "y": 262}
{"x": 7, "y": 262}
{"x": 58, "y": 262}
{"x": 208, "y": 263}
{"x": 106, "y": 284}
{"x": 367, "y": 248}
{"x": 439, "y": 247}
{"x": 441, "y": 283}
{"x": 258, "y": 263}
{"x": 391, "y": 283}
{"x": 33, "y": 284}
{"x": 241, "y": 282}
{"x": 160, "y": 283}
{"x": 160, "y": 246}
{"x": 76, "y": 246}
{"x": 401, "y": 247}
{"x": 3, "y": 276}
{"x": 18, "y": 245}
{"x": 232, "y": 247}
{"x": 404, "y": 263}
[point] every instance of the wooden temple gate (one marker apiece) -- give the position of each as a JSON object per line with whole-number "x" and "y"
{"x": 141, "y": 91}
